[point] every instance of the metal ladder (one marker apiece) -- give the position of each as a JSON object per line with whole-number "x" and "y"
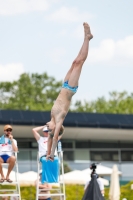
{"x": 14, "y": 192}
{"x": 60, "y": 189}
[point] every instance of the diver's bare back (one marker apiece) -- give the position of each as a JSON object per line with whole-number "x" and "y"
{"x": 61, "y": 105}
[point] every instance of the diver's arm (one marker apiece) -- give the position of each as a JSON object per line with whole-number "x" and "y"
{"x": 49, "y": 143}
{"x": 55, "y": 140}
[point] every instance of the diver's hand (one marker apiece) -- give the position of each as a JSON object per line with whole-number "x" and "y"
{"x": 48, "y": 157}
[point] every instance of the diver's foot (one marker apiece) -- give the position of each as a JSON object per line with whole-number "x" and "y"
{"x": 87, "y": 31}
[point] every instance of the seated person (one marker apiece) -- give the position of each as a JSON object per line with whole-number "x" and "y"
{"x": 100, "y": 183}
{"x": 7, "y": 145}
{"x": 45, "y": 189}
{"x": 51, "y": 172}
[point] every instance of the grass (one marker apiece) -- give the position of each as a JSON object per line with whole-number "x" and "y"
{"x": 73, "y": 192}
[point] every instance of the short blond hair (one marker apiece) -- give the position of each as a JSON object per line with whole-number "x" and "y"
{"x": 61, "y": 130}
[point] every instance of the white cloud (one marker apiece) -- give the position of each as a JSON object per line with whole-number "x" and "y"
{"x": 57, "y": 54}
{"x": 13, "y": 7}
{"x": 113, "y": 53}
{"x": 65, "y": 14}
{"x": 75, "y": 33}
{"x": 104, "y": 52}
{"x": 63, "y": 32}
{"x": 11, "y": 72}
{"x": 125, "y": 47}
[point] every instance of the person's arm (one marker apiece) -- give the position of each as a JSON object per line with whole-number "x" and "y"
{"x": 61, "y": 132}
{"x": 57, "y": 130}
{"x": 102, "y": 188}
{"x": 59, "y": 137}
{"x": 49, "y": 144}
{"x": 45, "y": 186}
{"x": 55, "y": 139}
{"x": 102, "y": 192}
{"x": 35, "y": 132}
{"x": 86, "y": 185}
{"x": 101, "y": 185}
{"x": 14, "y": 146}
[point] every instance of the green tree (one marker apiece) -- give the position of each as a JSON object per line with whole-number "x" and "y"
{"x": 38, "y": 92}
{"x": 119, "y": 102}
{"x": 32, "y": 92}
{"x": 66, "y": 168}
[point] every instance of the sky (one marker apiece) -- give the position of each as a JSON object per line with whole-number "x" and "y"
{"x": 38, "y": 36}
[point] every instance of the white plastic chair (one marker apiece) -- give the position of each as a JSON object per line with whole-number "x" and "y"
{"x": 14, "y": 192}
{"x": 59, "y": 189}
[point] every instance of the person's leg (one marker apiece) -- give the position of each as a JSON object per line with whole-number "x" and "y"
{"x": 11, "y": 162}
{"x": 5, "y": 198}
{"x": 75, "y": 70}
{"x": 71, "y": 68}
{"x": 1, "y": 170}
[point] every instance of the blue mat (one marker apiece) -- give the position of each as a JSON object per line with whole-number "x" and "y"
{"x": 50, "y": 170}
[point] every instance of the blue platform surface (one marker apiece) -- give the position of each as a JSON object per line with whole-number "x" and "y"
{"x": 50, "y": 170}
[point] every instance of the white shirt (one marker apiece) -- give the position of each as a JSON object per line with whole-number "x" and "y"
{"x": 100, "y": 183}
{"x": 7, "y": 147}
{"x": 42, "y": 146}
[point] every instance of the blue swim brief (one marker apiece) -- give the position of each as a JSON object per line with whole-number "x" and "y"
{"x": 5, "y": 157}
{"x": 67, "y": 86}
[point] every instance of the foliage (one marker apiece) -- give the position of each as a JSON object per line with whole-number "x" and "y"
{"x": 32, "y": 92}
{"x": 28, "y": 193}
{"x": 66, "y": 168}
{"x": 39, "y": 91}
{"x": 75, "y": 192}
{"x": 119, "y": 102}
{"x": 126, "y": 192}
